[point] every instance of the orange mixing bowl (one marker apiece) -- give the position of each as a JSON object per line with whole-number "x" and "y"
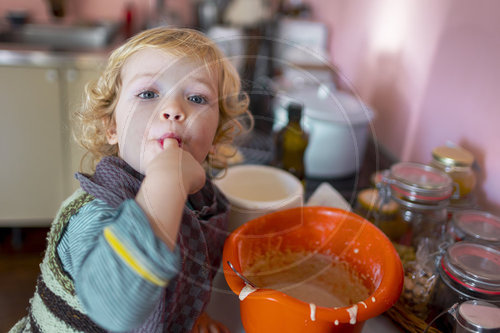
{"x": 323, "y": 230}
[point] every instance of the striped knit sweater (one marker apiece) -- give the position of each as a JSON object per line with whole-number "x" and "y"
{"x": 55, "y": 307}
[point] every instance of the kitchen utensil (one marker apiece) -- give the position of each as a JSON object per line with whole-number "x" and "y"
{"x": 327, "y": 231}
{"x": 247, "y": 281}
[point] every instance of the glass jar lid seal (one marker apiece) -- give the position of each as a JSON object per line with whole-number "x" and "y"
{"x": 478, "y": 225}
{"x": 453, "y": 156}
{"x": 473, "y": 266}
{"x": 419, "y": 182}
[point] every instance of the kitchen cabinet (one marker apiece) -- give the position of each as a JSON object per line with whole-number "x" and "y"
{"x": 38, "y": 155}
{"x": 30, "y": 144}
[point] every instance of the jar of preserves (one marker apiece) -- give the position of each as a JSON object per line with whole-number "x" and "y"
{"x": 475, "y": 226}
{"x": 422, "y": 193}
{"x": 457, "y": 163}
{"x": 468, "y": 271}
{"x": 384, "y": 216}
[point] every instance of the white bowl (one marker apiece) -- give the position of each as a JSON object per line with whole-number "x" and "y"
{"x": 256, "y": 190}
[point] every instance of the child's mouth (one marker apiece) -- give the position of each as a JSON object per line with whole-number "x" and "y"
{"x": 162, "y": 139}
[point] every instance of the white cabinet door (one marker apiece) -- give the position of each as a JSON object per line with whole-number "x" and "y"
{"x": 31, "y": 151}
{"x": 76, "y": 80}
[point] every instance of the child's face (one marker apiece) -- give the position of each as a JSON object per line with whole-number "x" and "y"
{"x": 164, "y": 96}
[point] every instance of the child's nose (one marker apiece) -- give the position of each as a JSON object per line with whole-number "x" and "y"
{"x": 173, "y": 113}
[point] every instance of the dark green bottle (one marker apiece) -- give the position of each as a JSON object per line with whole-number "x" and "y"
{"x": 291, "y": 143}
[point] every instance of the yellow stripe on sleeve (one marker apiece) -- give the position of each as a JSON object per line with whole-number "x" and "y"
{"x": 122, "y": 252}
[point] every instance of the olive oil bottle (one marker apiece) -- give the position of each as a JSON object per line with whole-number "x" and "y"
{"x": 291, "y": 143}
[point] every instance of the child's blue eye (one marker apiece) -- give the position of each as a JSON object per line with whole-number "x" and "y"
{"x": 197, "y": 99}
{"x": 148, "y": 94}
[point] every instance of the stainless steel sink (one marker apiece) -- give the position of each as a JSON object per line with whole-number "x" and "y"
{"x": 62, "y": 36}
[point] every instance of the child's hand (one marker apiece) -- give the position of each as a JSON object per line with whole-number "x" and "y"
{"x": 177, "y": 164}
{"x": 205, "y": 324}
{"x": 170, "y": 177}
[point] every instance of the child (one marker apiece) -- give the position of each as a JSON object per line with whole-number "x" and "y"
{"x": 137, "y": 247}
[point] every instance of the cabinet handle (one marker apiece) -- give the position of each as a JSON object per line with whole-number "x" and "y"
{"x": 51, "y": 75}
{"x": 71, "y": 75}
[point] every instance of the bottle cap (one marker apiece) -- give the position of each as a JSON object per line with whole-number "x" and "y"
{"x": 453, "y": 156}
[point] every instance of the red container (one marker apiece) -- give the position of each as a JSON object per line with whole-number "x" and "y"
{"x": 327, "y": 231}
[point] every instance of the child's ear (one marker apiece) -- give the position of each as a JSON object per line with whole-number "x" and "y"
{"x": 111, "y": 135}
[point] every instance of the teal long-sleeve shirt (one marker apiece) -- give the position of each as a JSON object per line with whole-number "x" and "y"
{"x": 119, "y": 267}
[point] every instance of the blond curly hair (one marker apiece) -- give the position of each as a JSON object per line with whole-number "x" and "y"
{"x": 101, "y": 96}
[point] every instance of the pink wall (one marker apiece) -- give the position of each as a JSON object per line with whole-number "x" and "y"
{"x": 431, "y": 70}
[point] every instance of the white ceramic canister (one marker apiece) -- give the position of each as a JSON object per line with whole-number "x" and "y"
{"x": 338, "y": 126}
